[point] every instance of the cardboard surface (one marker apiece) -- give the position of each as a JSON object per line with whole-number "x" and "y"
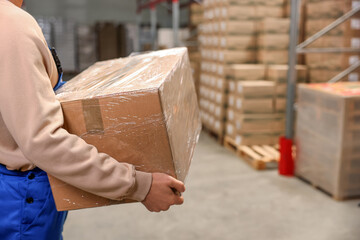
{"x": 141, "y": 110}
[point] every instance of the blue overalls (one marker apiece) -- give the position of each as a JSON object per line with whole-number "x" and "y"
{"x": 27, "y": 207}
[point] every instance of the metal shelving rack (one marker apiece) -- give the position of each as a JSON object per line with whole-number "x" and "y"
{"x": 295, "y": 49}
{"x": 152, "y": 4}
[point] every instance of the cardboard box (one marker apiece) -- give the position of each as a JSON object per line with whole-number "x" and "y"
{"x": 255, "y": 89}
{"x": 256, "y": 123}
{"x": 241, "y": 42}
{"x": 251, "y": 105}
{"x": 273, "y": 56}
{"x": 280, "y": 104}
{"x": 240, "y": 3}
{"x": 237, "y": 56}
{"x": 280, "y": 3}
{"x": 336, "y": 42}
{"x": 238, "y": 27}
{"x": 140, "y": 110}
{"x": 322, "y": 75}
{"x": 327, "y": 137}
{"x": 274, "y": 25}
{"x": 246, "y": 71}
{"x": 349, "y": 28}
{"x": 328, "y": 9}
{"x": 264, "y": 11}
{"x": 273, "y": 41}
{"x": 278, "y": 73}
{"x": 239, "y": 13}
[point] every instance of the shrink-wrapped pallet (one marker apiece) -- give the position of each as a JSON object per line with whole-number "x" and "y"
{"x": 328, "y": 142}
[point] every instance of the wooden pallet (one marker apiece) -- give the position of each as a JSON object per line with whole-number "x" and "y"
{"x": 218, "y": 137}
{"x": 259, "y": 157}
{"x": 333, "y": 196}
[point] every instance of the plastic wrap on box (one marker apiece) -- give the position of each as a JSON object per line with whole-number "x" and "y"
{"x": 140, "y": 110}
{"x": 327, "y": 137}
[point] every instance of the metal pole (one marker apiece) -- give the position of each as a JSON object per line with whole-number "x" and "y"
{"x": 176, "y": 22}
{"x": 291, "y": 77}
{"x": 153, "y": 23}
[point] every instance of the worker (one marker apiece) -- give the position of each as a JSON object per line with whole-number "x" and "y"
{"x": 33, "y": 142}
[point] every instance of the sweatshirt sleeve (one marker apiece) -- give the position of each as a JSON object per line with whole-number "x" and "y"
{"x": 34, "y": 118}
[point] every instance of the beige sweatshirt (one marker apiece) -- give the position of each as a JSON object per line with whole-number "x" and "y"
{"x": 31, "y": 119}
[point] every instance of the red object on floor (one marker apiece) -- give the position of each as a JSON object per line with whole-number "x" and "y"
{"x": 286, "y": 163}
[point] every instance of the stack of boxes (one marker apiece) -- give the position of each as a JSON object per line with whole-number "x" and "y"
{"x": 196, "y": 18}
{"x": 273, "y": 40}
{"x": 319, "y": 14}
{"x": 228, "y": 36}
{"x": 242, "y": 92}
{"x": 251, "y": 118}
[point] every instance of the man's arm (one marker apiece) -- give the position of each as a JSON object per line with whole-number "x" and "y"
{"x": 34, "y": 118}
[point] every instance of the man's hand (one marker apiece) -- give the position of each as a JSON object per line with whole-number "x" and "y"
{"x": 164, "y": 192}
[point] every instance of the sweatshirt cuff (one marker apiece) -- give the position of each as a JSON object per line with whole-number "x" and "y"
{"x": 142, "y": 186}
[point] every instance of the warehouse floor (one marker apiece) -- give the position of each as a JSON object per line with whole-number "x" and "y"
{"x": 226, "y": 199}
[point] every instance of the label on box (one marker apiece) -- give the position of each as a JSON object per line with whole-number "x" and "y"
{"x": 355, "y": 23}
{"x": 221, "y": 56}
{"x": 218, "y": 98}
{"x": 213, "y": 67}
{"x": 238, "y": 124}
{"x": 353, "y": 77}
{"x": 238, "y": 139}
{"x": 231, "y": 100}
{"x": 353, "y": 59}
{"x": 238, "y": 103}
{"x": 220, "y": 83}
{"x": 223, "y": 42}
{"x": 217, "y": 125}
{"x": 212, "y": 107}
{"x": 355, "y": 4}
{"x": 217, "y": 111}
{"x": 355, "y": 42}
{"x": 231, "y": 114}
{"x": 229, "y": 129}
{"x": 213, "y": 81}
{"x": 224, "y": 12}
{"x": 217, "y": 12}
{"x": 223, "y": 26}
{"x": 232, "y": 86}
{"x": 216, "y": 27}
{"x": 240, "y": 88}
{"x": 213, "y": 95}
{"x": 220, "y": 69}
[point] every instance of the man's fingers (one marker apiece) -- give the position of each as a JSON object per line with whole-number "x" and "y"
{"x": 179, "y": 200}
{"x": 177, "y": 185}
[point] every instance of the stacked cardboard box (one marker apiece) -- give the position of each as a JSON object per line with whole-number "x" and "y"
{"x": 273, "y": 40}
{"x": 228, "y": 36}
{"x": 196, "y": 18}
{"x": 319, "y": 14}
{"x": 238, "y": 32}
{"x": 251, "y": 115}
{"x": 196, "y": 14}
{"x": 328, "y": 143}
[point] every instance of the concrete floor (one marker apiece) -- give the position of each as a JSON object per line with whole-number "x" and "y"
{"x": 226, "y": 200}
